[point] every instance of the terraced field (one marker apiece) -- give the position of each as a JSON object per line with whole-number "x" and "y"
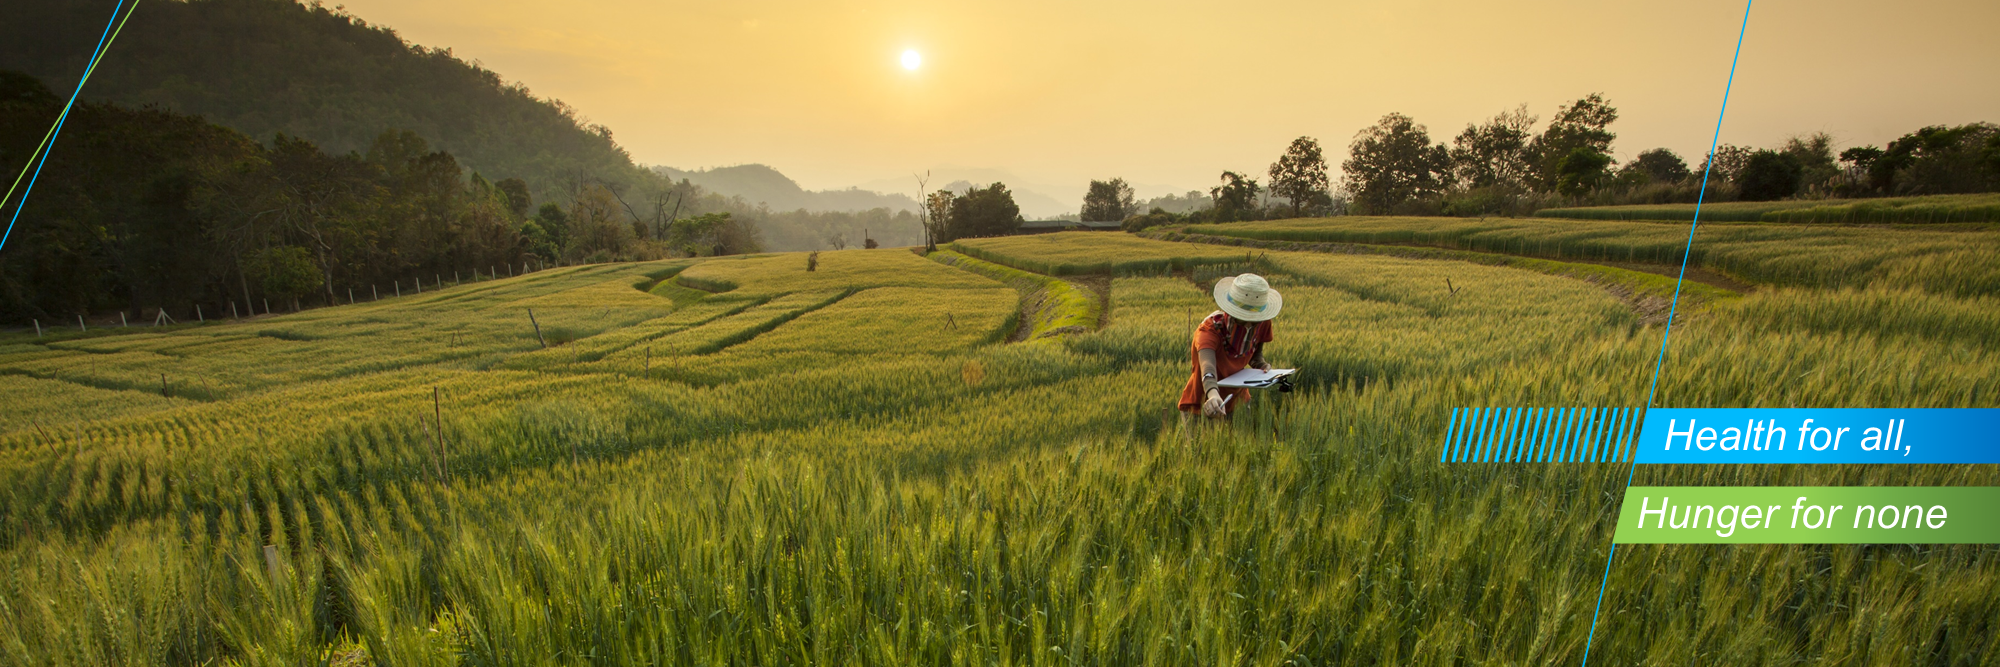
{"x": 739, "y": 461}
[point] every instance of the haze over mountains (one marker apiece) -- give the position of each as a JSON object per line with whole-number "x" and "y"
{"x": 757, "y": 183}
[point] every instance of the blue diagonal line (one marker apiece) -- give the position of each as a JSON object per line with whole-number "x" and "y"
{"x": 1444, "y": 453}
{"x": 49, "y": 143}
{"x": 1706, "y": 170}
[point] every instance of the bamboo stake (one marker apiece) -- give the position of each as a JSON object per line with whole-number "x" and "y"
{"x": 79, "y": 324}
{"x": 232, "y": 310}
{"x": 38, "y": 328}
{"x": 121, "y": 321}
{"x": 197, "y": 314}
{"x": 437, "y": 415}
{"x": 51, "y": 442}
{"x": 538, "y": 330}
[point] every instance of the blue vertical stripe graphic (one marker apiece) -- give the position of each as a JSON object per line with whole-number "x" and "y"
{"x": 1541, "y": 434}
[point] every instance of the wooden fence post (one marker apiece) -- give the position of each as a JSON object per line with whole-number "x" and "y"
{"x": 38, "y": 328}
{"x": 374, "y": 294}
{"x": 538, "y": 330}
{"x": 122, "y": 322}
{"x": 232, "y": 310}
{"x": 197, "y": 314}
{"x": 79, "y": 324}
{"x": 399, "y": 288}
{"x": 350, "y": 296}
{"x": 267, "y": 305}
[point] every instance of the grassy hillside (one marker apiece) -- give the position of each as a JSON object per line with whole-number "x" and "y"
{"x": 1889, "y": 210}
{"x": 264, "y": 67}
{"x": 737, "y": 460}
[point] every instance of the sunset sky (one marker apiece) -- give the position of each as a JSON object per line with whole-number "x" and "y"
{"x": 1168, "y": 94}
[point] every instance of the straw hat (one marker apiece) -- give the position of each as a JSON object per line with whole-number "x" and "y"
{"x": 1248, "y": 297}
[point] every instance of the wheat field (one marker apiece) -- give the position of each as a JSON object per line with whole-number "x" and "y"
{"x": 737, "y": 461}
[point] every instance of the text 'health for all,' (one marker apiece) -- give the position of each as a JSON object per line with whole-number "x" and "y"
{"x": 1820, "y": 435}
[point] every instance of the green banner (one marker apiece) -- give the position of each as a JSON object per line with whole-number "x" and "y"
{"x": 1810, "y": 515}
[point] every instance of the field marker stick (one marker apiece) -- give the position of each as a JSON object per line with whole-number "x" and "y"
{"x": 1671, "y": 305}
{"x": 38, "y": 328}
{"x": 197, "y": 314}
{"x": 350, "y": 296}
{"x": 267, "y": 306}
{"x": 51, "y": 442}
{"x": 437, "y": 414}
{"x": 374, "y": 294}
{"x": 538, "y": 330}
{"x": 232, "y": 310}
{"x": 121, "y": 321}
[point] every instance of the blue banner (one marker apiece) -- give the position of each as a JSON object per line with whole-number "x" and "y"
{"x": 1816, "y": 435}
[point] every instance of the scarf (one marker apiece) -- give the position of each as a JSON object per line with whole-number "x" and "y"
{"x": 1238, "y": 336}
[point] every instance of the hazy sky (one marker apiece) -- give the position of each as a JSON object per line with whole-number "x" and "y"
{"x": 1168, "y": 94}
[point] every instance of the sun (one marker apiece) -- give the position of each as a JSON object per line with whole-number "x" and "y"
{"x": 912, "y": 60}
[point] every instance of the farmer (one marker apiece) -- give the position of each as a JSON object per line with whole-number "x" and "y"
{"x": 1228, "y": 341}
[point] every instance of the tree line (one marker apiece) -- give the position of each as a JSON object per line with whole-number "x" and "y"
{"x": 146, "y": 208}
{"x": 1503, "y": 166}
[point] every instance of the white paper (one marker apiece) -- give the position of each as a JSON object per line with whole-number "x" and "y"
{"x": 1256, "y": 379}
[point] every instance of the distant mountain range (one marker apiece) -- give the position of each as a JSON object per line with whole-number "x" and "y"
{"x": 759, "y": 184}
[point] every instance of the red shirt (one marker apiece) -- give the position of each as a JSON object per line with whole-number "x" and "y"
{"x": 1235, "y": 344}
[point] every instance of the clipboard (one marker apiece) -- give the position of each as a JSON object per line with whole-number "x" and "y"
{"x": 1251, "y": 378}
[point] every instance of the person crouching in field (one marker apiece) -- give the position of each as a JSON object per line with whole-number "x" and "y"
{"x": 1228, "y": 341}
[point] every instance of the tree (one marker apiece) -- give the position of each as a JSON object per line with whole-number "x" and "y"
{"x": 1582, "y": 171}
{"x": 1583, "y": 124}
{"x": 985, "y": 212}
{"x": 1768, "y": 175}
{"x": 286, "y": 272}
{"x": 1236, "y": 198}
{"x": 1393, "y": 162}
{"x": 1300, "y": 176}
{"x": 1108, "y": 201}
{"x": 1725, "y": 163}
{"x": 1813, "y": 153}
{"x": 1659, "y": 165}
{"x": 518, "y": 200}
{"x": 1494, "y": 154}
{"x": 937, "y": 217}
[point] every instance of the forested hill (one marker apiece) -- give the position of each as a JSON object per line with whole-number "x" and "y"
{"x": 265, "y": 67}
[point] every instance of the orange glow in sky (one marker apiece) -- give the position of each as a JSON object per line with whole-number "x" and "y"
{"x": 1168, "y": 94}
